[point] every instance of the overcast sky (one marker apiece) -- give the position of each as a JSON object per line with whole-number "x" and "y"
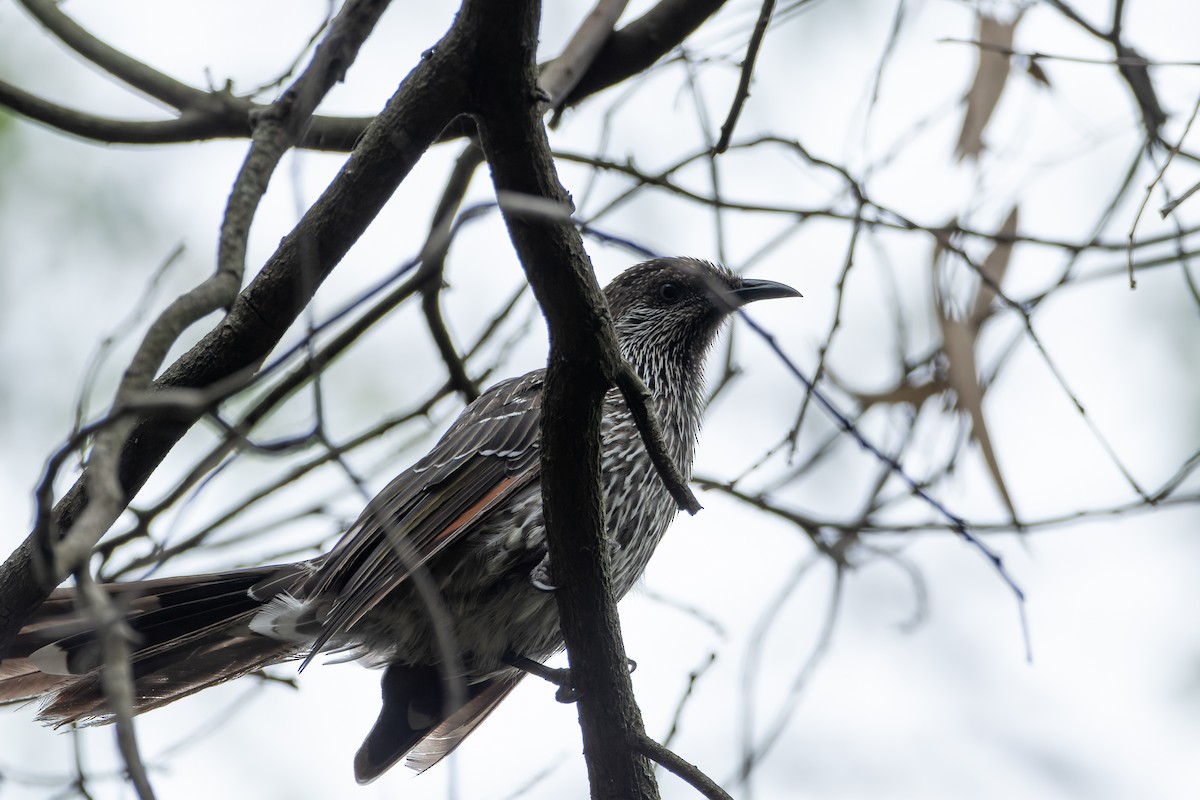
{"x": 946, "y": 706}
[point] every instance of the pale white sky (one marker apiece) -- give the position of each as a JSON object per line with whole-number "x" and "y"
{"x": 1109, "y": 706}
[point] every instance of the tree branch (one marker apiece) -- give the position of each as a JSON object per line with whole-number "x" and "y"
{"x": 635, "y": 47}
{"x": 681, "y": 768}
{"x": 562, "y": 74}
{"x": 221, "y": 115}
{"x": 584, "y": 359}
{"x": 636, "y": 394}
{"x": 743, "y": 89}
{"x": 430, "y": 96}
{"x": 115, "y": 62}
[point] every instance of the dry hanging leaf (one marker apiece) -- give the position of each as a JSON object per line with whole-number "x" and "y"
{"x": 958, "y": 345}
{"x": 990, "y": 77}
{"x": 1036, "y": 72}
{"x": 993, "y": 268}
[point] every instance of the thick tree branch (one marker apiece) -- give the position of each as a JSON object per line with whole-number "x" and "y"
{"x": 276, "y": 132}
{"x": 584, "y": 358}
{"x": 562, "y": 74}
{"x": 67, "y": 549}
{"x": 635, "y": 47}
{"x": 221, "y": 115}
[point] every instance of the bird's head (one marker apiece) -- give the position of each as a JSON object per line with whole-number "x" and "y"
{"x": 673, "y": 308}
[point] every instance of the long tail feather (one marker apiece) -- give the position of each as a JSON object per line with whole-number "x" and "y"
{"x": 190, "y": 633}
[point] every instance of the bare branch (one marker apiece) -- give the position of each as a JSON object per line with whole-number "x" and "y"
{"x": 636, "y": 394}
{"x": 743, "y": 88}
{"x": 584, "y": 360}
{"x": 681, "y": 768}
{"x": 635, "y": 47}
{"x": 265, "y": 309}
{"x": 116, "y": 62}
{"x": 563, "y": 74}
{"x": 957, "y": 522}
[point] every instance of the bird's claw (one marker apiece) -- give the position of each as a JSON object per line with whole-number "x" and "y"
{"x": 539, "y": 576}
{"x": 567, "y": 693}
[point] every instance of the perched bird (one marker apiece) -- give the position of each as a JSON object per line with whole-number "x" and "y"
{"x": 444, "y": 580}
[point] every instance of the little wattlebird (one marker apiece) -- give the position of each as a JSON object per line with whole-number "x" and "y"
{"x": 444, "y": 579}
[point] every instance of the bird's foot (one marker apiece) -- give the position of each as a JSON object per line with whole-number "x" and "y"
{"x": 539, "y": 576}
{"x": 567, "y": 693}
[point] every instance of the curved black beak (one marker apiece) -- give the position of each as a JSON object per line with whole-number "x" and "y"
{"x": 753, "y": 289}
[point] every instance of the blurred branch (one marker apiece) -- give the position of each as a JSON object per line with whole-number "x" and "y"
{"x": 811, "y": 525}
{"x": 1132, "y": 66}
{"x": 956, "y": 522}
{"x": 754, "y": 755}
{"x": 558, "y": 77}
{"x": 1038, "y": 55}
{"x": 1171, "y": 153}
{"x": 116, "y": 676}
{"x": 688, "y": 692}
{"x": 880, "y": 216}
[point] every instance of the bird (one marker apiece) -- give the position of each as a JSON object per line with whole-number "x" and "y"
{"x": 444, "y": 580}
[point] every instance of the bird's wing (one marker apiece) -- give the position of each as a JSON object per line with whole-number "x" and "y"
{"x": 425, "y": 715}
{"x": 489, "y": 453}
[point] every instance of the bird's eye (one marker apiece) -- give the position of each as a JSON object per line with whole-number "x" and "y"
{"x": 669, "y": 292}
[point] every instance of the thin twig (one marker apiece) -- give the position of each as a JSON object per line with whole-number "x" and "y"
{"x": 957, "y": 522}
{"x": 636, "y": 396}
{"x": 1037, "y": 55}
{"x": 743, "y": 88}
{"x": 1150, "y": 190}
{"x": 680, "y": 768}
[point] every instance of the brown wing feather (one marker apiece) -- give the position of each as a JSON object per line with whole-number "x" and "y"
{"x": 441, "y": 741}
{"x": 489, "y": 453}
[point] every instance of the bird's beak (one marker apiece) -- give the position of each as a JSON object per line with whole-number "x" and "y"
{"x": 753, "y": 289}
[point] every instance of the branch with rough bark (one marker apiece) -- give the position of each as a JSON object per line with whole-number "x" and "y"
{"x": 203, "y": 115}
{"x": 584, "y": 358}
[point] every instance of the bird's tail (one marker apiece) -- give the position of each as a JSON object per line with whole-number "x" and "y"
{"x": 188, "y": 634}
